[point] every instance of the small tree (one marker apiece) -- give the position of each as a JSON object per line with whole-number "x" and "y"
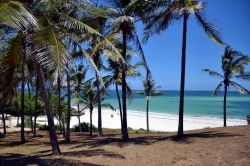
{"x": 150, "y": 89}
{"x": 233, "y": 63}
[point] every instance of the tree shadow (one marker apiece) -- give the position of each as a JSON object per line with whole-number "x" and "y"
{"x": 11, "y": 159}
{"x": 95, "y": 152}
{"x": 148, "y": 140}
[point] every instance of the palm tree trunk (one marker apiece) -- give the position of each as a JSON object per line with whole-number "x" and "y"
{"x": 30, "y": 109}
{"x": 147, "y": 114}
{"x": 183, "y": 70}
{"x": 3, "y": 117}
{"x": 100, "y": 133}
{"x": 125, "y": 136}
{"x": 79, "y": 117}
{"x": 59, "y": 103}
{"x": 63, "y": 126}
{"x": 36, "y": 98}
{"x": 91, "y": 114}
{"x": 52, "y": 131}
{"x": 67, "y": 136}
{"x": 225, "y": 106}
{"x": 22, "y": 104}
{"x": 119, "y": 103}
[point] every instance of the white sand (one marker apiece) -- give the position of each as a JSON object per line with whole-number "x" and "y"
{"x": 137, "y": 120}
{"x": 157, "y": 121}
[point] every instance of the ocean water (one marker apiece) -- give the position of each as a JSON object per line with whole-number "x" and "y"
{"x": 197, "y": 103}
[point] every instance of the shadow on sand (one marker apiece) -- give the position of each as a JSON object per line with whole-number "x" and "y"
{"x": 147, "y": 140}
{"x": 24, "y": 160}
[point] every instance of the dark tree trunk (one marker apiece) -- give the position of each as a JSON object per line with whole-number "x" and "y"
{"x": 79, "y": 117}
{"x": 36, "y": 98}
{"x": 63, "y": 126}
{"x": 3, "y": 117}
{"x": 225, "y": 106}
{"x": 52, "y": 131}
{"x": 59, "y": 104}
{"x": 147, "y": 114}
{"x": 100, "y": 133}
{"x": 90, "y": 125}
{"x": 67, "y": 136}
{"x": 22, "y": 104}
{"x": 119, "y": 103}
{"x": 30, "y": 109}
{"x": 125, "y": 136}
{"x": 34, "y": 131}
{"x": 183, "y": 70}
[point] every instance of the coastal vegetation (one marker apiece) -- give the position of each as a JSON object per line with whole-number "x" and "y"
{"x": 233, "y": 67}
{"x": 57, "y": 54}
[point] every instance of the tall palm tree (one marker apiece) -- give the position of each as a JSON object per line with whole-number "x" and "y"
{"x": 47, "y": 41}
{"x": 158, "y": 15}
{"x": 124, "y": 24}
{"x": 150, "y": 89}
{"x": 116, "y": 76}
{"x": 233, "y": 64}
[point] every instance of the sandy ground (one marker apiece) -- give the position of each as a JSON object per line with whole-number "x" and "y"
{"x": 158, "y": 121}
{"x": 217, "y": 146}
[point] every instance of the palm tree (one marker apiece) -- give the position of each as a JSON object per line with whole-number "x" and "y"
{"x": 67, "y": 135}
{"x": 124, "y": 24}
{"x": 158, "y": 15}
{"x": 78, "y": 76}
{"x": 90, "y": 99}
{"x": 150, "y": 89}
{"x": 233, "y": 63}
{"x": 116, "y": 76}
{"x": 45, "y": 41}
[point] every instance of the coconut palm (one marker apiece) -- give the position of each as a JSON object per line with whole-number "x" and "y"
{"x": 233, "y": 64}
{"x": 78, "y": 77}
{"x": 48, "y": 49}
{"x": 116, "y": 77}
{"x": 90, "y": 100}
{"x": 150, "y": 89}
{"x": 158, "y": 15}
{"x": 123, "y": 23}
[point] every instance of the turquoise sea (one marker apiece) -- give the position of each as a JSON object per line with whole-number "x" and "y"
{"x": 197, "y": 103}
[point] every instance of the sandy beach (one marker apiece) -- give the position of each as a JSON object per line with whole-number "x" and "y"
{"x": 157, "y": 121}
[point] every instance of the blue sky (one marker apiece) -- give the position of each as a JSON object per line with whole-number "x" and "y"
{"x": 164, "y": 51}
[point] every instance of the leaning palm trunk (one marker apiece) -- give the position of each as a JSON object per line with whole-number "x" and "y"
{"x": 91, "y": 116}
{"x": 125, "y": 136}
{"x": 183, "y": 70}
{"x": 147, "y": 98}
{"x": 67, "y": 136}
{"x": 30, "y": 110}
{"x": 22, "y": 104}
{"x": 225, "y": 106}
{"x": 100, "y": 133}
{"x": 52, "y": 131}
{"x": 120, "y": 107}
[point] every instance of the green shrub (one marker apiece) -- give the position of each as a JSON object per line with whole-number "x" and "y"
{"x": 46, "y": 127}
{"x": 85, "y": 127}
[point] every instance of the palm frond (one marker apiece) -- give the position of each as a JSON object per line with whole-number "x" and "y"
{"x": 14, "y": 14}
{"x": 209, "y": 28}
{"x": 51, "y": 46}
{"x": 217, "y": 89}
{"x": 213, "y": 73}
{"x": 238, "y": 87}
{"x": 245, "y": 76}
